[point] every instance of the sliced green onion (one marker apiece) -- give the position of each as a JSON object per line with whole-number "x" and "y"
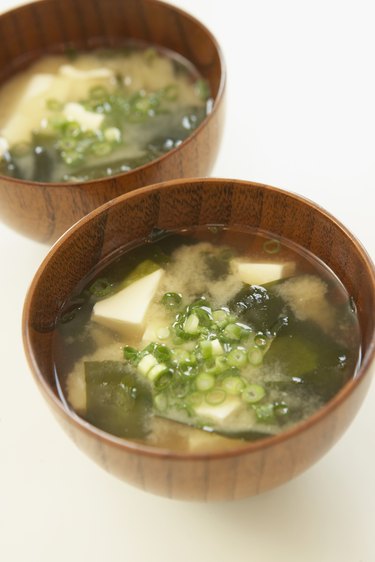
{"x": 215, "y": 397}
{"x": 206, "y": 349}
{"x": 205, "y": 381}
{"x": 237, "y": 358}
{"x": 160, "y": 351}
{"x": 255, "y": 356}
{"x": 253, "y": 393}
{"x": 191, "y": 324}
{"x": 146, "y": 363}
{"x": 221, "y": 364}
{"x": 220, "y": 317}
{"x": 204, "y": 315}
{"x": 216, "y": 366}
{"x": 130, "y": 353}
{"x": 171, "y": 300}
{"x": 233, "y": 385}
{"x": 210, "y": 368}
{"x": 260, "y": 340}
{"x": 235, "y": 332}
{"x": 232, "y": 332}
{"x": 181, "y": 356}
{"x": 217, "y": 348}
{"x": 163, "y": 380}
{"x": 156, "y": 371}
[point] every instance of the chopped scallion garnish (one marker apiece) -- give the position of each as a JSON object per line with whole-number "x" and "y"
{"x": 204, "y": 381}
{"x": 233, "y": 384}
{"x": 171, "y": 300}
{"x": 253, "y": 393}
{"x": 191, "y": 324}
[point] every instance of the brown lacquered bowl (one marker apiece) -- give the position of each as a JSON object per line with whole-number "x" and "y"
{"x": 44, "y": 211}
{"x": 253, "y": 467}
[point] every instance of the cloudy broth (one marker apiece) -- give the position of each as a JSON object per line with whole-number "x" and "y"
{"x": 242, "y": 336}
{"x": 95, "y": 114}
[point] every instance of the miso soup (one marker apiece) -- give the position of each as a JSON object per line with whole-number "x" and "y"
{"x": 205, "y": 339}
{"x": 98, "y": 113}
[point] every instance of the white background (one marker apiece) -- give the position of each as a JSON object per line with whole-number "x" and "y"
{"x": 300, "y": 115}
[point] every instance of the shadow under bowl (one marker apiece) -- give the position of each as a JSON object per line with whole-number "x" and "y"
{"x": 257, "y": 466}
{"x": 43, "y": 211}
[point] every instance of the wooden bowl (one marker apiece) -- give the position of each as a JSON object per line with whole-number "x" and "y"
{"x": 44, "y": 211}
{"x": 256, "y": 466}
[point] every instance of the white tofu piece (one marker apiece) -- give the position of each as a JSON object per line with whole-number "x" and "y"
{"x": 26, "y": 111}
{"x": 93, "y": 74}
{"x": 17, "y": 128}
{"x": 37, "y": 85}
{"x": 218, "y": 414}
{"x": 76, "y": 387}
{"x": 125, "y": 311}
{"x": 88, "y": 120}
{"x": 261, "y": 273}
{"x": 28, "y": 108}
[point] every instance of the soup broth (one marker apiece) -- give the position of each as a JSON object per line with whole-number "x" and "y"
{"x": 98, "y": 113}
{"x": 205, "y": 339}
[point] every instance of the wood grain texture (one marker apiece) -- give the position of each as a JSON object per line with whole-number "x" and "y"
{"x": 255, "y": 467}
{"x": 44, "y": 211}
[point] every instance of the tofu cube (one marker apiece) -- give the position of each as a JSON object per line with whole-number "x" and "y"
{"x": 218, "y": 414}
{"x": 27, "y": 109}
{"x": 92, "y": 74}
{"x": 126, "y": 310}
{"x": 261, "y": 273}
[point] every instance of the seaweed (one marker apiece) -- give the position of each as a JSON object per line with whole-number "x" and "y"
{"x": 117, "y": 400}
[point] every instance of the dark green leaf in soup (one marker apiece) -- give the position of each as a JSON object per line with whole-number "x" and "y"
{"x": 117, "y": 400}
{"x": 259, "y": 307}
{"x": 215, "y": 354}
{"x": 100, "y": 114}
{"x": 43, "y": 164}
{"x": 304, "y": 354}
{"x": 308, "y": 357}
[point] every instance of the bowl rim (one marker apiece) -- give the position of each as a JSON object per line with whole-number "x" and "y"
{"x": 147, "y": 450}
{"x": 218, "y": 99}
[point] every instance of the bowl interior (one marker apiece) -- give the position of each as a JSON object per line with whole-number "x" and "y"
{"x": 53, "y": 25}
{"x": 180, "y": 204}
{"x": 44, "y": 211}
